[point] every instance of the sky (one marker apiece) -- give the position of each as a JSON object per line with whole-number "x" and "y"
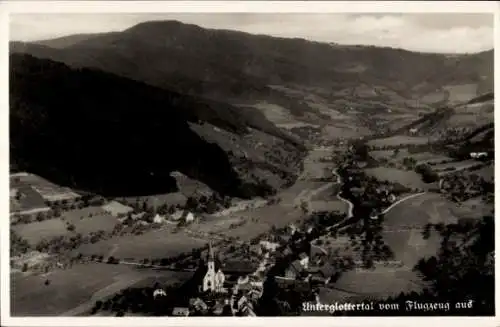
{"x": 426, "y": 32}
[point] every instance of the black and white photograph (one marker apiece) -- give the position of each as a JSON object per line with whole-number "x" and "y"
{"x": 251, "y": 164}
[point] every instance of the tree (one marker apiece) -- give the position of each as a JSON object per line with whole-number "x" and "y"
{"x": 463, "y": 269}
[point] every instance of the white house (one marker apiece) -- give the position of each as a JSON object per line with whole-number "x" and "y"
{"x": 269, "y": 246}
{"x": 304, "y": 260}
{"x": 477, "y": 155}
{"x": 158, "y": 219}
{"x": 189, "y": 217}
{"x": 413, "y": 130}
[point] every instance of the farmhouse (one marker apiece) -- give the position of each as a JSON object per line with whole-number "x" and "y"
{"x": 477, "y": 155}
{"x": 158, "y": 219}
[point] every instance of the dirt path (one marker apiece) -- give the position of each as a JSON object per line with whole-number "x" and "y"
{"x": 401, "y": 200}
{"x": 102, "y": 294}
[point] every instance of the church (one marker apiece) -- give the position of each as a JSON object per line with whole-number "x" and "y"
{"x": 213, "y": 278}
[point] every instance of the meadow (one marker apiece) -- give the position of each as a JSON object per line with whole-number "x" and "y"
{"x": 73, "y": 291}
{"x": 85, "y": 221}
{"x": 160, "y": 243}
{"x": 406, "y": 178}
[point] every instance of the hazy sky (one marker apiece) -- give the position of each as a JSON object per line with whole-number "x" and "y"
{"x": 430, "y": 32}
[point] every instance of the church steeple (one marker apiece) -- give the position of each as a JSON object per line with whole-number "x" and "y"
{"x": 211, "y": 256}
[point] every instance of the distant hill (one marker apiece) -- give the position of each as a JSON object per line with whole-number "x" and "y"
{"x": 96, "y": 131}
{"x": 241, "y": 68}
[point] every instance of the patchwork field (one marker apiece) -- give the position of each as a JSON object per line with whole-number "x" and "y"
{"x": 398, "y": 140}
{"x": 406, "y": 178}
{"x": 76, "y": 287}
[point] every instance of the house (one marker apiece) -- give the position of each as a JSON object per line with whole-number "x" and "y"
{"x": 177, "y": 215}
{"x": 323, "y": 274}
{"x": 269, "y": 246}
{"x": 238, "y": 268}
{"x": 477, "y": 155}
{"x": 198, "y": 304}
{"x": 413, "y": 130}
{"x": 294, "y": 270}
{"x": 180, "y": 312}
{"x": 304, "y": 260}
{"x": 392, "y": 198}
{"x": 159, "y": 292}
{"x": 158, "y": 219}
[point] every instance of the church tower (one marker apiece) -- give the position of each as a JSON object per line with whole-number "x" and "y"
{"x": 213, "y": 280}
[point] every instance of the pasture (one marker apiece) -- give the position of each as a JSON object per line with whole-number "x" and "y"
{"x": 398, "y": 140}
{"x": 74, "y": 290}
{"x": 406, "y": 178}
{"x": 86, "y": 220}
{"x": 152, "y": 244}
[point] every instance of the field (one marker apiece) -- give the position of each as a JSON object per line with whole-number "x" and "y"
{"x": 74, "y": 287}
{"x": 457, "y": 165}
{"x": 398, "y": 140}
{"x": 461, "y": 93}
{"x": 406, "y": 178}
{"x": 47, "y": 190}
{"x": 403, "y": 234}
{"x": 151, "y": 244}
{"x": 487, "y": 172}
{"x": 36, "y": 231}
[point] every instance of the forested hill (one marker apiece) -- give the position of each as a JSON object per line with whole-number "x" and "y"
{"x": 96, "y": 131}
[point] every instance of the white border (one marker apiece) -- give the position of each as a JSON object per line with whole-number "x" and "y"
{"x": 7, "y": 7}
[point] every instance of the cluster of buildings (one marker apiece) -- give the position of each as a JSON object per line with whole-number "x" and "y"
{"x": 226, "y": 288}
